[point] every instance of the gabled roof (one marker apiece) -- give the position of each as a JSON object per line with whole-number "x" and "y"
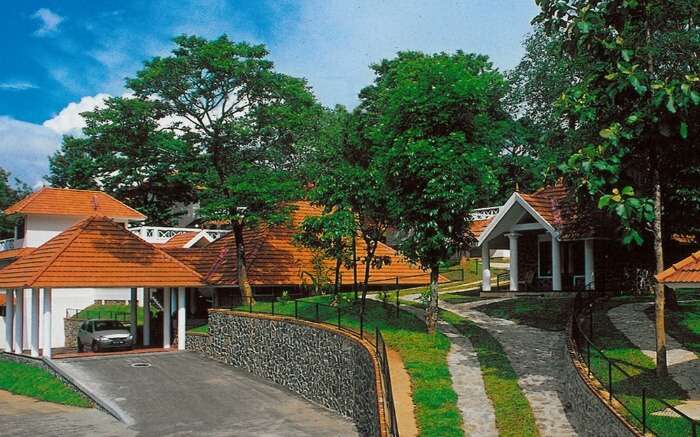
{"x": 274, "y": 260}
{"x": 97, "y": 252}
{"x": 62, "y": 201}
{"x": 187, "y": 240}
{"x": 683, "y": 272}
{"x": 478, "y": 226}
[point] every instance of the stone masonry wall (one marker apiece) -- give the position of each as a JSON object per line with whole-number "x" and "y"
{"x": 70, "y": 330}
{"x": 324, "y": 367}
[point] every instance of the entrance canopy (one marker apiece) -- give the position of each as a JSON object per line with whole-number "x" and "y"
{"x": 98, "y": 253}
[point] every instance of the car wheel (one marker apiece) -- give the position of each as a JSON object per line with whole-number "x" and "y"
{"x": 95, "y": 347}
{"x": 81, "y": 348}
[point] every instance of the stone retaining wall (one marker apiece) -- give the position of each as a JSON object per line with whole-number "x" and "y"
{"x": 322, "y": 365}
{"x": 590, "y": 414}
{"x": 71, "y": 327}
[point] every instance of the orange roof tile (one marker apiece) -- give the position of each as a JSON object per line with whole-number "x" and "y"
{"x": 2, "y": 299}
{"x": 684, "y": 271}
{"x": 179, "y": 240}
{"x": 97, "y": 252}
{"x": 63, "y": 201}
{"x": 15, "y": 253}
{"x": 274, "y": 260}
{"x": 477, "y": 226}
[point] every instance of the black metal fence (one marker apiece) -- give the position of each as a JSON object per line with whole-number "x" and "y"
{"x": 625, "y": 394}
{"x": 88, "y": 314}
{"x": 383, "y": 359}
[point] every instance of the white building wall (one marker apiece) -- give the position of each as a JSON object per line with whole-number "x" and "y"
{"x": 42, "y": 228}
{"x": 2, "y": 333}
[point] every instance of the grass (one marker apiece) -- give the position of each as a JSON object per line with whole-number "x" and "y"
{"x": 112, "y": 311}
{"x": 641, "y": 369}
{"x": 424, "y": 355}
{"x": 203, "y": 329}
{"x": 35, "y": 382}
{"x": 514, "y": 416}
{"x": 550, "y": 314}
{"x": 461, "y": 297}
{"x": 683, "y": 324}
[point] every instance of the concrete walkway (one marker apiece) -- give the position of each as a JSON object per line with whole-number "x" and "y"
{"x": 472, "y": 401}
{"x": 537, "y": 358}
{"x": 683, "y": 365}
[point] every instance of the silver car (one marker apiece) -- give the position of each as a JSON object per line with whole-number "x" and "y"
{"x": 104, "y": 334}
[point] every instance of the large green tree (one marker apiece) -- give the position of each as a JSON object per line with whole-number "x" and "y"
{"x": 249, "y": 124}
{"x": 8, "y": 196}
{"x": 637, "y": 97}
{"x": 434, "y": 124}
{"x": 125, "y": 153}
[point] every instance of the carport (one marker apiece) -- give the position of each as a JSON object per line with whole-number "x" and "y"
{"x": 94, "y": 253}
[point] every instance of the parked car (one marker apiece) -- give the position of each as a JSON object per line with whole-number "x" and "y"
{"x": 104, "y": 334}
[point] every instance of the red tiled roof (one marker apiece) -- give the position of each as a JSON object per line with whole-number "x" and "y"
{"x": 97, "y": 252}
{"x": 179, "y": 240}
{"x": 684, "y": 271}
{"x": 548, "y": 203}
{"x": 274, "y": 260}
{"x": 63, "y": 201}
{"x": 15, "y": 253}
{"x": 477, "y": 226}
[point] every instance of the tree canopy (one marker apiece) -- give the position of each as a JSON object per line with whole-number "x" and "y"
{"x": 8, "y": 196}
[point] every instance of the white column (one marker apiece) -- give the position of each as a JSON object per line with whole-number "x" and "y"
{"x": 485, "y": 267}
{"x": 47, "y": 323}
{"x": 133, "y": 304}
{"x": 19, "y": 321}
{"x": 513, "y": 246}
{"x": 34, "y": 324}
{"x": 146, "y": 316}
{"x": 589, "y": 265}
{"x": 167, "y": 308}
{"x": 181, "y": 318}
{"x": 556, "y": 264}
{"x": 9, "y": 318}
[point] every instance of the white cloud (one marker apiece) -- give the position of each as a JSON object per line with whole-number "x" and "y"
{"x": 49, "y": 21}
{"x": 69, "y": 121}
{"x": 17, "y": 86}
{"x": 25, "y": 148}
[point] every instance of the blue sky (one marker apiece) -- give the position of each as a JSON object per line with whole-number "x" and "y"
{"x": 62, "y": 57}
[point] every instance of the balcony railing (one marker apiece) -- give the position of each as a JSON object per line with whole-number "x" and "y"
{"x": 484, "y": 213}
{"x": 7, "y": 244}
{"x": 158, "y": 234}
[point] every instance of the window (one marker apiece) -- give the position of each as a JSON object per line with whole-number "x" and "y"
{"x": 544, "y": 250}
{"x": 108, "y": 325}
{"x": 20, "y": 229}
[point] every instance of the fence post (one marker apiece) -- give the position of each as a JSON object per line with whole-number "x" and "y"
{"x": 588, "y": 352}
{"x": 250, "y": 305}
{"x": 644, "y": 410}
{"x": 610, "y": 379}
{"x": 362, "y": 325}
{"x": 338, "y": 309}
{"x": 461, "y": 271}
{"x": 273, "y": 304}
{"x": 590, "y": 322}
{"x": 317, "y": 311}
{"x": 296, "y": 309}
{"x": 376, "y": 338}
{"x": 695, "y": 430}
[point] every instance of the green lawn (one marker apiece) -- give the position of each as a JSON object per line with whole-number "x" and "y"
{"x": 514, "y": 416}
{"x": 112, "y": 311}
{"x": 683, "y": 324}
{"x": 35, "y": 382}
{"x": 424, "y": 355}
{"x": 642, "y": 375}
{"x": 550, "y": 314}
{"x": 461, "y": 297}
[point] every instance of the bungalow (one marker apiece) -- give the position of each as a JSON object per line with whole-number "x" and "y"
{"x": 683, "y": 274}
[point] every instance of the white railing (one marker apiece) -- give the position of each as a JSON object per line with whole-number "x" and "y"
{"x": 484, "y": 213}
{"x": 8, "y": 244}
{"x": 159, "y": 234}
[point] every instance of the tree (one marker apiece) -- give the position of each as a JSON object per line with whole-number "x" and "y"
{"x": 330, "y": 234}
{"x": 431, "y": 120}
{"x": 639, "y": 90}
{"x": 247, "y": 122}
{"x": 8, "y": 196}
{"x": 125, "y": 153}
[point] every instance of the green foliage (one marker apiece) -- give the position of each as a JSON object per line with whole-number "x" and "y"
{"x": 125, "y": 153}
{"x": 637, "y": 101}
{"x": 8, "y": 196}
{"x": 35, "y": 382}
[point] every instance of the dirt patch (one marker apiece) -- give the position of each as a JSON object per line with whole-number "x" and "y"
{"x": 402, "y": 391}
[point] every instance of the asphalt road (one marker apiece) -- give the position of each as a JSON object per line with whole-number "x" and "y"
{"x": 186, "y": 394}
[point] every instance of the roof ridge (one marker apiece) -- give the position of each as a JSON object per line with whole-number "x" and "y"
{"x": 676, "y": 267}
{"x": 80, "y": 226}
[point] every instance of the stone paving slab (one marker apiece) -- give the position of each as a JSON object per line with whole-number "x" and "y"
{"x": 537, "y": 358}
{"x": 683, "y": 365}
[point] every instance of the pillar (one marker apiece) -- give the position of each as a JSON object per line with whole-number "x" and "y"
{"x": 9, "y": 318}
{"x": 513, "y": 246}
{"x": 47, "y": 323}
{"x": 19, "y": 321}
{"x": 167, "y": 311}
{"x": 556, "y": 264}
{"x": 146, "y": 316}
{"x": 181, "y": 318}
{"x": 133, "y": 303}
{"x": 485, "y": 267}
{"x": 589, "y": 264}
{"x": 34, "y": 324}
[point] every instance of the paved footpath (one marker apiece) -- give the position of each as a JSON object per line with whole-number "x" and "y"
{"x": 472, "y": 401}
{"x": 683, "y": 365}
{"x": 537, "y": 358}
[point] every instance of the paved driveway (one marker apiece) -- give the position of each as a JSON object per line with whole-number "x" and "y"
{"x": 186, "y": 394}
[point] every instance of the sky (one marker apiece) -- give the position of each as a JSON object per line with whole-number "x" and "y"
{"x": 62, "y": 57}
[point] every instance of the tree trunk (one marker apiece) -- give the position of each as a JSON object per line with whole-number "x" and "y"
{"x": 431, "y": 312}
{"x": 336, "y": 289}
{"x": 243, "y": 284}
{"x": 365, "y": 283}
{"x": 661, "y": 364}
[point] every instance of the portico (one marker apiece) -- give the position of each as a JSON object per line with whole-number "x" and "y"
{"x": 95, "y": 253}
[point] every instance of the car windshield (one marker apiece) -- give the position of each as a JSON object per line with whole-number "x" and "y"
{"x": 108, "y": 325}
